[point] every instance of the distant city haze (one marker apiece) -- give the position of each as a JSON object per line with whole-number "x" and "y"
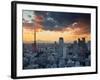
{"x": 51, "y": 36}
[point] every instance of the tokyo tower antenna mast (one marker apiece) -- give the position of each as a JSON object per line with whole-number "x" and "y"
{"x": 37, "y": 22}
{"x": 35, "y": 38}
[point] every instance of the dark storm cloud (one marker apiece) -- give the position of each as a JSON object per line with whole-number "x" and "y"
{"x": 61, "y": 21}
{"x": 56, "y": 21}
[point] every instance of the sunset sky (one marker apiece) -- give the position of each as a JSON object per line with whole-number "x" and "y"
{"x": 50, "y": 26}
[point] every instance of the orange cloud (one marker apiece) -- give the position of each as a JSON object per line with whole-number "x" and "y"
{"x": 69, "y": 33}
{"x": 51, "y": 36}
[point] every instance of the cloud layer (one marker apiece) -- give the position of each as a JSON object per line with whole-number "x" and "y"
{"x": 77, "y": 23}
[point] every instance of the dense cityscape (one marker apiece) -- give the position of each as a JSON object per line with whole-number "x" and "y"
{"x": 57, "y": 55}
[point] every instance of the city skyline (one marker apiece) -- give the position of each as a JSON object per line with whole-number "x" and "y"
{"x": 70, "y": 26}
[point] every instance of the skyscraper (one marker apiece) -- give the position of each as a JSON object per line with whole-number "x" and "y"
{"x": 61, "y": 45}
{"x": 61, "y": 41}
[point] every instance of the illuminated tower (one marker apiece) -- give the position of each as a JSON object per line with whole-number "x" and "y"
{"x": 37, "y": 23}
{"x": 35, "y": 45}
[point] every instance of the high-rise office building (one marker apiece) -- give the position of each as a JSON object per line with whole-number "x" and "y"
{"x": 61, "y": 45}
